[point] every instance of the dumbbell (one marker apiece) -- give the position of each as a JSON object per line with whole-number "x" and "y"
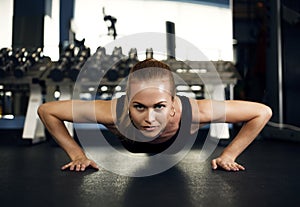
{"x": 80, "y": 59}
{"x": 30, "y": 60}
{"x": 57, "y": 72}
{"x": 131, "y": 61}
{"x": 10, "y": 60}
{"x": 3, "y": 61}
{"x": 94, "y": 67}
{"x": 115, "y": 61}
{"x": 149, "y": 53}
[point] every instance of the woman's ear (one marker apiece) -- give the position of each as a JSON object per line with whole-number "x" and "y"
{"x": 173, "y": 111}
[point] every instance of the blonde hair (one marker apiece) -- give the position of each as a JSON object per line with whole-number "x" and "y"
{"x": 151, "y": 70}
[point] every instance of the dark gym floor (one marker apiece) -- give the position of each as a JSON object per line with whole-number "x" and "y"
{"x": 30, "y": 175}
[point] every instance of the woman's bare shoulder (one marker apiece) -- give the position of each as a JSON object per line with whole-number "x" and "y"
{"x": 105, "y": 111}
{"x": 201, "y": 110}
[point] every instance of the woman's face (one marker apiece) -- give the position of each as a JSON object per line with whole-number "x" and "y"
{"x": 150, "y": 106}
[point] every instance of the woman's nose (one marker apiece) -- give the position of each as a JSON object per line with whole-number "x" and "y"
{"x": 150, "y": 116}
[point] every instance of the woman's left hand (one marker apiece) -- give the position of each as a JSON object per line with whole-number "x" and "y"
{"x": 226, "y": 163}
{"x": 80, "y": 164}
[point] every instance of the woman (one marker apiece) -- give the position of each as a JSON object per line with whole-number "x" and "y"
{"x": 149, "y": 116}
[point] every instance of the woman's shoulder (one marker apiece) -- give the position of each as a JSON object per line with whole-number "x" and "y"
{"x": 198, "y": 107}
{"x": 105, "y": 111}
{"x": 185, "y": 101}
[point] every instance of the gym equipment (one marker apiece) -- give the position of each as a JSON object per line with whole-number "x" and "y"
{"x": 41, "y": 78}
{"x": 170, "y": 35}
{"x": 149, "y": 53}
{"x": 131, "y": 61}
{"x": 29, "y": 61}
{"x": 96, "y": 65}
{"x": 114, "y": 64}
{"x": 83, "y": 54}
{"x": 33, "y": 127}
{"x": 9, "y": 60}
{"x": 59, "y": 69}
{"x": 4, "y": 67}
{"x": 111, "y": 24}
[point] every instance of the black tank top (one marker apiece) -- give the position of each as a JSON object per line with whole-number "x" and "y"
{"x": 146, "y": 147}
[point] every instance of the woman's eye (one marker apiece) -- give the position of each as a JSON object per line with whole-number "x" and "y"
{"x": 159, "y": 106}
{"x": 139, "y": 107}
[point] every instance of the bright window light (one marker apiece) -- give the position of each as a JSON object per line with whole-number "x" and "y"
{"x": 208, "y": 27}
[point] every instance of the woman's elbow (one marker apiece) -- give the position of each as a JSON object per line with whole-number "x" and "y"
{"x": 267, "y": 112}
{"x": 42, "y": 110}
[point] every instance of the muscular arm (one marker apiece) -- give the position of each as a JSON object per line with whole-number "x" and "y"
{"x": 53, "y": 115}
{"x": 253, "y": 115}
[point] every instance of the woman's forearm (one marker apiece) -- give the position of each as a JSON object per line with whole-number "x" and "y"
{"x": 61, "y": 135}
{"x": 247, "y": 134}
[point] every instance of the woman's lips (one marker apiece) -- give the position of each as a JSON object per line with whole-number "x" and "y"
{"x": 149, "y": 128}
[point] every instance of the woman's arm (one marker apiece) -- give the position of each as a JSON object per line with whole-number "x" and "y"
{"x": 53, "y": 115}
{"x": 254, "y": 115}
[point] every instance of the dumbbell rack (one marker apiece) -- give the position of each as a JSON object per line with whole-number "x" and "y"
{"x": 200, "y": 73}
{"x": 37, "y": 86}
{"x": 32, "y": 127}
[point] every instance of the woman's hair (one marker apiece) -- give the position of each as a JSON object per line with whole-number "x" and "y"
{"x": 151, "y": 69}
{"x": 146, "y": 70}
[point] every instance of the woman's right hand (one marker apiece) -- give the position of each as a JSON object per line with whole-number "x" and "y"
{"x": 80, "y": 164}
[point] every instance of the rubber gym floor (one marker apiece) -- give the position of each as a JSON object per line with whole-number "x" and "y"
{"x": 30, "y": 175}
